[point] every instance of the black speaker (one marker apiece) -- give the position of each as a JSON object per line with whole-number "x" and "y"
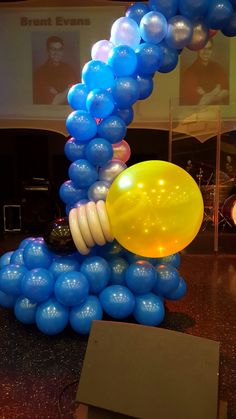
{"x": 38, "y": 205}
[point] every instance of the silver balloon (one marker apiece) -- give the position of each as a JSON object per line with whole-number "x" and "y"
{"x": 98, "y": 191}
{"x": 200, "y": 36}
{"x": 179, "y": 32}
{"x": 111, "y": 170}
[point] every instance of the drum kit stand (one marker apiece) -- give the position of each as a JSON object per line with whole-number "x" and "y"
{"x": 227, "y": 202}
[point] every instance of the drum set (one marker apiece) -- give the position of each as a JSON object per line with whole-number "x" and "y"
{"x": 227, "y": 199}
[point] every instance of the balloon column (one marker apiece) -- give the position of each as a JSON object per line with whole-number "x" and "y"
{"x": 153, "y": 209}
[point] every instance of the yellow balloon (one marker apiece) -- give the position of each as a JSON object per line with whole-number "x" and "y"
{"x": 155, "y": 208}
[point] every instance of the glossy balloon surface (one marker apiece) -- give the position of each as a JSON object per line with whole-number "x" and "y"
{"x": 70, "y": 194}
{"x": 58, "y": 237}
{"x": 7, "y": 300}
{"x": 101, "y": 50}
{"x": 82, "y": 316}
{"x": 179, "y": 292}
{"x": 10, "y": 279}
{"x": 117, "y": 301}
{"x": 77, "y": 96}
{"x": 37, "y": 284}
{"x": 179, "y": 33}
{"x": 140, "y": 277}
{"x": 25, "y": 310}
{"x": 5, "y": 259}
{"x": 125, "y": 31}
{"x": 200, "y": 36}
{"x": 153, "y": 27}
{"x": 52, "y": 317}
{"x": 97, "y": 271}
{"x": 149, "y": 309}
{"x": 37, "y": 255}
{"x": 155, "y": 208}
{"x": 71, "y": 288}
{"x": 167, "y": 280}
{"x": 118, "y": 269}
{"x": 74, "y": 150}
{"x": 121, "y": 151}
{"x": 168, "y": 8}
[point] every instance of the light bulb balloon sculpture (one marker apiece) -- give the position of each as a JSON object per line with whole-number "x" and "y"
{"x": 154, "y": 209}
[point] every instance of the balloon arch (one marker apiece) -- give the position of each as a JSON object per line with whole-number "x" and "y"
{"x": 147, "y": 205}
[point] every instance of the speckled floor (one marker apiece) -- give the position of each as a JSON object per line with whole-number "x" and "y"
{"x": 39, "y": 374}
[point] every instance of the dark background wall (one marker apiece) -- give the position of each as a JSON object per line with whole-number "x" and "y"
{"x": 35, "y": 160}
{"x": 33, "y": 166}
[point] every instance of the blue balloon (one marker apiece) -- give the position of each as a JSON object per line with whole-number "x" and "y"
{"x": 25, "y": 310}
{"x": 149, "y": 309}
{"x": 10, "y": 279}
{"x": 112, "y": 129}
{"x": 141, "y": 277}
{"x": 230, "y": 28}
{"x": 81, "y": 317}
{"x": 37, "y": 255}
{"x": 136, "y": 11}
{"x": 219, "y": 12}
{"x": 37, "y": 284}
{"x": 97, "y": 271}
{"x": 132, "y": 258}
{"x": 100, "y": 103}
{"x": 194, "y": 10}
{"x": 111, "y": 170}
{"x": 74, "y": 150}
{"x": 117, "y": 301}
{"x": 77, "y": 96}
{"x": 168, "y": 8}
{"x": 125, "y": 91}
{"x": 118, "y": 269}
{"x": 153, "y": 27}
{"x": 167, "y": 280}
{"x": 170, "y": 58}
{"x": 52, "y": 317}
{"x": 179, "y": 33}
{"x": 179, "y": 292}
{"x": 99, "y": 151}
{"x": 149, "y": 58}
{"x": 24, "y": 242}
{"x": 70, "y": 194}
{"x": 81, "y": 125}
{"x": 76, "y": 205}
{"x": 82, "y": 173}
{"x": 7, "y": 300}
{"x": 97, "y": 75}
{"x": 125, "y": 31}
{"x": 173, "y": 260}
{"x": 71, "y": 288}
{"x": 127, "y": 115}
{"x": 122, "y": 60}
{"x": 98, "y": 191}
{"x": 5, "y": 259}
{"x": 110, "y": 250}
{"x": 145, "y": 84}
{"x": 64, "y": 265}
{"x": 17, "y": 257}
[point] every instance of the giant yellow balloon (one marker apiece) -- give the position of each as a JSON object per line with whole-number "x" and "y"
{"x": 155, "y": 208}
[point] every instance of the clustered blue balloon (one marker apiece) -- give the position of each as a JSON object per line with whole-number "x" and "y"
{"x": 148, "y": 39}
{"x": 54, "y": 291}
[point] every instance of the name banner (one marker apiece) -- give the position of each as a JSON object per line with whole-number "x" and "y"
{"x": 34, "y": 92}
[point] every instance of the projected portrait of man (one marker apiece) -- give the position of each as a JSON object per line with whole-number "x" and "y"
{"x": 52, "y": 80}
{"x": 205, "y": 81}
